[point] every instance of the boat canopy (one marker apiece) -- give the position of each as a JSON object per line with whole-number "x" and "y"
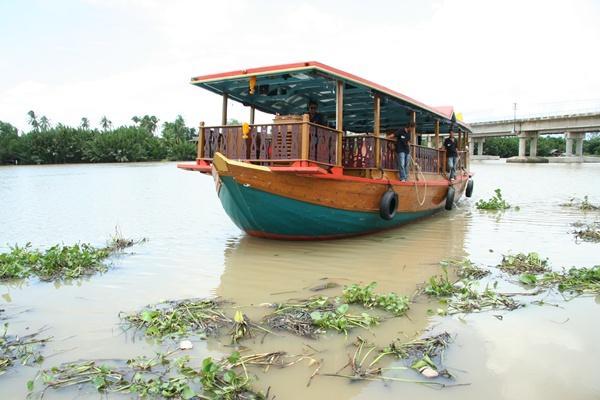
{"x": 287, "y": 89}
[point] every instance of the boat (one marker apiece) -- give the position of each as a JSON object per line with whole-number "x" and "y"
{"x": 300, "y": 180}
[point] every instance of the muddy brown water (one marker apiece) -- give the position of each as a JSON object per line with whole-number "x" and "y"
{"x": 538, "y": 352}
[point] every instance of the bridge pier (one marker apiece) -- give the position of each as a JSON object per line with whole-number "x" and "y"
{"x": 576, "y": 137}
{"x": 532, "y": 136}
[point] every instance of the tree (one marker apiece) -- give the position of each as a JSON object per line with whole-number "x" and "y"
{"x": 85, "y": 124}
{"x": 177, "y": 140}
{"x": 33, "y": 120}
{"x": 147, "y": 122}
{"x": 9, "y": 141}
{"x": 105, "y": 123}
{"x": 45, "y": 124}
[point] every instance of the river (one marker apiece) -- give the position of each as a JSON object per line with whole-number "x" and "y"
{"x": 194, "y": 250}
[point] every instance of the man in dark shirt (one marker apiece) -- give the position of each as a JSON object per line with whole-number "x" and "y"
{"x": 315, "y": 117}
{"x": 451, "y": 154}
{"x": 402, "y": 136}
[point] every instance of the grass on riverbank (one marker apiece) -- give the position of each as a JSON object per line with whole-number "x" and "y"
{"x": 59, "y": 261}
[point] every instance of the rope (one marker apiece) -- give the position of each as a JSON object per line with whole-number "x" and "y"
{"x": 414, "y": 163}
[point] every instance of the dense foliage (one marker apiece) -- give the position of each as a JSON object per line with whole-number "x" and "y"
{"x": 45, "y": 144}
{"x": 509, "y": 146}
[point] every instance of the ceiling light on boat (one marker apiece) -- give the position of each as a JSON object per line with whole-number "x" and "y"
{"x": 252, "y": 84}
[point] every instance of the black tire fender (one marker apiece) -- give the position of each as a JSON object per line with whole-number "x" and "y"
{"x": 388, "y": 205}
{"x": 469, "y": 190}
{"x": 450, "y": 198}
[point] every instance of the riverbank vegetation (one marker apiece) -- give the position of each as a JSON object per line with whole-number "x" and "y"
{"x": 59, "y": 144}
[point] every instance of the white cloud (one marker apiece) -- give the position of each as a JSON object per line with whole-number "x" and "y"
{"x": 479, "y": 56}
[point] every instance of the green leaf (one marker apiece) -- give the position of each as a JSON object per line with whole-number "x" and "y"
{"x": 234, "y": 357}
{"x": 528, "y": 279}
{"x": 238, "y": 317}
{"x": 147, "y": 315}
{"x": 342, "y": 309}
{"x": 229, "y": 376}
{"x": 29, "y": 386}
{"x": 316, "y": 316}
{"x": 188, "y": 393}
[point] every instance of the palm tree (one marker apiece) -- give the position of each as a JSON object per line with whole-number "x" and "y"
{"x": 147, "y": 122}
{"x": 45, "y": 123}
{"x": 33, "y": 120}
{"x": 85, "y": 124}
{"x": 105, "y": 123}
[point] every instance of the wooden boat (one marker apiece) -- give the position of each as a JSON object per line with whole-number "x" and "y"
{"x": 298, "y": 180}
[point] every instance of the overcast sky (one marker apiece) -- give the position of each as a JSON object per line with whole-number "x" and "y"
{"x": 68, "y": 59}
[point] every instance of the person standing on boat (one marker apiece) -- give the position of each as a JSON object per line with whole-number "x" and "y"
{"x": 315, "y": 117}
{"x": 403, "y": 150}
{"x": 451, "y": 154}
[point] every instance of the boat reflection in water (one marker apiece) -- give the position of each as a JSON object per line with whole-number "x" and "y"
{"x": 259, "y": 271}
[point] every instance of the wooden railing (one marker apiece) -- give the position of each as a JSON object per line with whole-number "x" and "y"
{"x": 427, "y": 159}
{"x": 266, "y": 143}
{"x": 304, "y": 141}
{"x": 358, "y": 151}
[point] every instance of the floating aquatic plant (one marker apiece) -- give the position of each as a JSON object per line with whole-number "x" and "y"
{"x": 365, "y": 296}
{"x": 440, "y": 285}
{"x": 59, "y": 261}
{"x": 25, "y": 349}
{"x": 584, "y": 205}
{"x": 159, "y": 378}
{"x": 316, "y": 315}
{"x": 364, "y": 364}
{"x": 496, "y": 202}
{"x": 182, "y": 317}
{"x": 522, "y": 263}
{"x": 465, "y": 268}
{"x": 587, "y": 232}
{"x": 574, "y": 280}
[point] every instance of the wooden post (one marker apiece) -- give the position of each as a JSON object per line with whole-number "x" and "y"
{"x": 413, "y": 134}
{"x": 339, "y": 106}
{"x": 224, "y": 112}
{"x": 252, "y": 112}
{"x": 437, "y": 134}
{"x": 339, "y": 120}
{"x": 305, "y": 137}
{"x": 460, "y": 140}
{"x": 413, "y": 131}
{"x": 377, "y": 129}
{"x": 200, "y": 148}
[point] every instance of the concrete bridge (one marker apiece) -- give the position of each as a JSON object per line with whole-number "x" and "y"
{"x": 574, "y": 127}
